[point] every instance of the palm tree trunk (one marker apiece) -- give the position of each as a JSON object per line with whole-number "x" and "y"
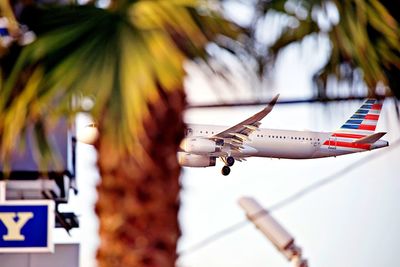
{"x": 138, "y": 203}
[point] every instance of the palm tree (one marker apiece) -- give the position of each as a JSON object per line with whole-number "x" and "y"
{"x": 130, "y": 58}
{"x": 364, "y": 38}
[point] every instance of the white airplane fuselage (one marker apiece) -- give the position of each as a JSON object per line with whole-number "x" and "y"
{"x": 203, "y": 144}
{"x": 288, "y": 144}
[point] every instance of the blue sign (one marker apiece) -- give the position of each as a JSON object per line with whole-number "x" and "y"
{"x": 25, "y": 226}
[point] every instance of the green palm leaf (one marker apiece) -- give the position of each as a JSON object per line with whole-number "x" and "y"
{"x": 122, "y": 56}
{"x": 366, "y": 38}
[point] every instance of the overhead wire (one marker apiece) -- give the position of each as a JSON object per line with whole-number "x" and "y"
{"x": 280, "y": 102}
{"x": 288, "y": 200}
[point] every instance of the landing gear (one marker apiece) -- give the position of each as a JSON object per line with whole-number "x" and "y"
{"x": 230, "y": 161}
{"x": 225, "y": 170}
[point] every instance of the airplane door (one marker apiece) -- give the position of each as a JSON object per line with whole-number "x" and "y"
{"x": 332, "y": 141}
{"x": 189, "y": 132}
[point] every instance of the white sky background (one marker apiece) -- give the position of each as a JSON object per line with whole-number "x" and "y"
{"x": 353, "y": 221}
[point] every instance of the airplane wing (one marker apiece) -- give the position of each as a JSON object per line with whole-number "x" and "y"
{"x": 237, "y": 134}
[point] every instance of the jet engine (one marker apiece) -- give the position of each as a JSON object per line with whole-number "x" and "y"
{"x": 200, "y": 145}
{"x": 192, "y": 160}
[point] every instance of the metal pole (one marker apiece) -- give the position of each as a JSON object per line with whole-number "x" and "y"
{"x": 273, "y": 230}
{"x": 2, "y": 191}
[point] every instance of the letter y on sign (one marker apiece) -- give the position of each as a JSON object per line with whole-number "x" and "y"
{"x": 14, "y": 226}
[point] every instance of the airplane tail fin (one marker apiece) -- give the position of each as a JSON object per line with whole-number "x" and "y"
{"x": 364, "y": 120}
{"x": 358, "y": 132}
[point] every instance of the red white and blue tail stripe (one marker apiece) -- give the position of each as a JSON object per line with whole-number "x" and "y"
{"x": 360, "y": 125}
{"x": 364, "y": 120}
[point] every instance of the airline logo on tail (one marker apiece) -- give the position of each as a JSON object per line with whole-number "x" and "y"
{"x": 365, "y": 119}
{"x": 358, "y": 131}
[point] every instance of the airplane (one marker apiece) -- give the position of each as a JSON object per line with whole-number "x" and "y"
{"x": 203, "y": 144}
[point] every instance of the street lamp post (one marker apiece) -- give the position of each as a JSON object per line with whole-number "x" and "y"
{"x": 278, "y": 235}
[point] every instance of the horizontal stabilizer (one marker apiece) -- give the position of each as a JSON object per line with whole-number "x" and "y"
{"x": 370, "y": 139}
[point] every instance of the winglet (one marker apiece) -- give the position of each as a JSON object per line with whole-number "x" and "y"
{"x": 260, "y": 115}
{"x": 370, "y": 139}
{"x": 274, "y": 100}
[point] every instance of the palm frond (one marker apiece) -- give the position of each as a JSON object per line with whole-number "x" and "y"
{"x": 121, "y": 57}
{"x": 366, "y": 37}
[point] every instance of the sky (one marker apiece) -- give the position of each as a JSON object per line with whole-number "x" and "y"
{"x": 352, "y": 221}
